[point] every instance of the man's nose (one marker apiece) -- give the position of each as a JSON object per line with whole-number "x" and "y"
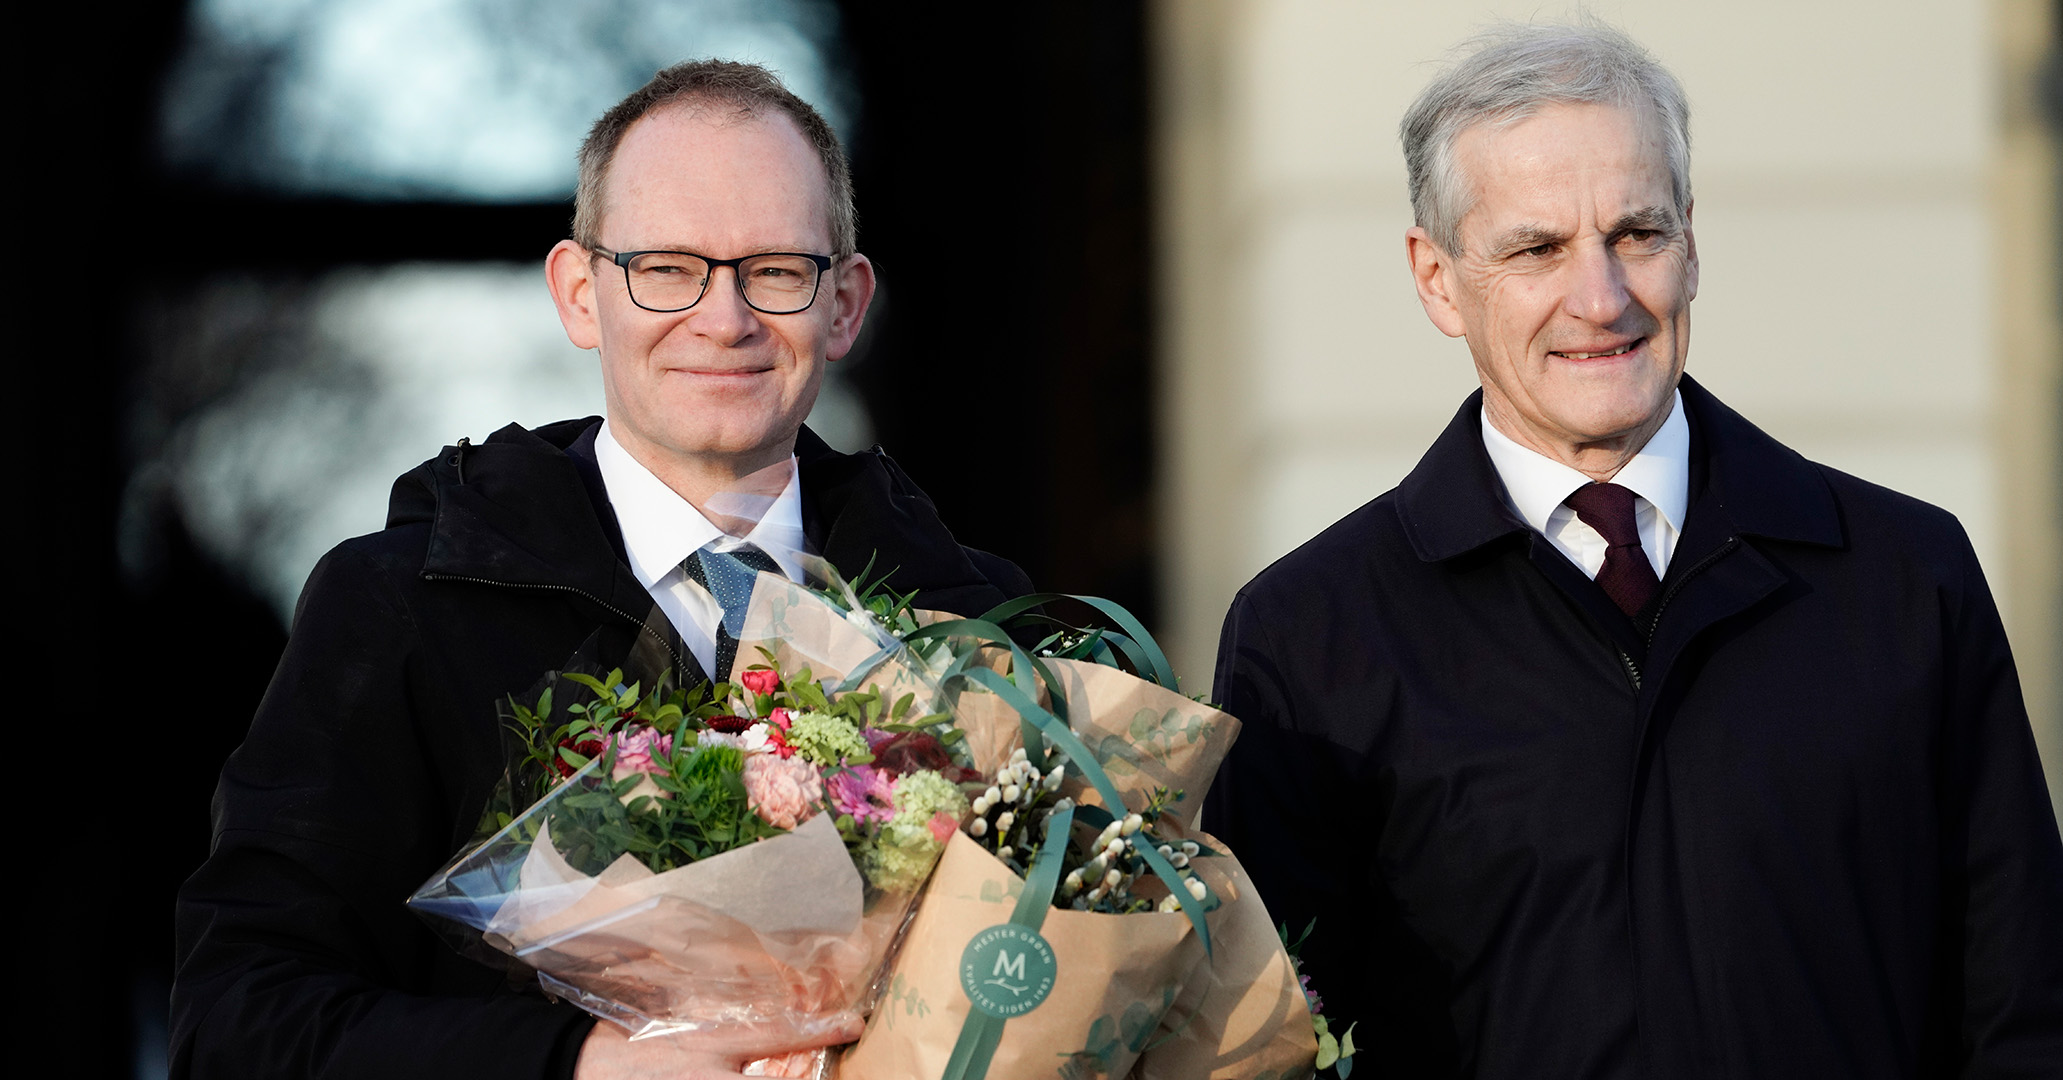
{"x": 722, "y": 314}
{"x": 1598, "y": 293}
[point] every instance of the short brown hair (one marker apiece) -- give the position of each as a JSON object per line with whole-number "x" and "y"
{"x": 748, "y": 88}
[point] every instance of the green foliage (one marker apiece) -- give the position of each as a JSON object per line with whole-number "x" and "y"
{"x": 592, "y": 824}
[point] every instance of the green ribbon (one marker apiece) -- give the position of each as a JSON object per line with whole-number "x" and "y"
{"x": 981, "y": 1032}
{"x": 1148, "y": 659}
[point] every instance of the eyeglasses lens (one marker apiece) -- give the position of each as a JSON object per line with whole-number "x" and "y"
{"x": 671, "y": 281}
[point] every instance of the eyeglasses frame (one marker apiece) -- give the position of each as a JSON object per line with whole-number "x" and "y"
{"x": 824, "y": 263}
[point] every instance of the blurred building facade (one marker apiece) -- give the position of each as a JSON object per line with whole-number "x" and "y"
{"x": 1874, "y": 195}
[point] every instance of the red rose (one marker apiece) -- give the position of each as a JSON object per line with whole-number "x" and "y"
{"x": 777, "y": 739}
{"x": 761, "y": 681}
{"x": 730, "y": 725}
{"x": 589, "y": 746}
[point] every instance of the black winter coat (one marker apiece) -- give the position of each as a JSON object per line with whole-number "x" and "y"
{"x": 1792, "y": 827}
{"x": 378, "y": 743}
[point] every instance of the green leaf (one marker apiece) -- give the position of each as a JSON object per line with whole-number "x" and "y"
{"x": 589, "y": 681}
{"x": 1346, "y": 1048}
{"x": 1328, "y": 1051}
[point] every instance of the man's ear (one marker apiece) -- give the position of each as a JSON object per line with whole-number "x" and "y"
{"x": 1432, "y": 270}
{"x": 854, "y": 291}
{"x": 569, "y": 273}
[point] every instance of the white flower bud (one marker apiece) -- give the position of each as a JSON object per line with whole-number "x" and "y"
{"x": 1133, "y": 822}
{"x": 981, "y": 804}
{"x": 1178, "y": 860}
{"x": 1011, "y": 793}
{"x": 978, "y": 828}
{"x": 1006, "y": 851}
{"x": 1064, "y": 804}
{"x": 1074, "y": 881}
{"x": 1108, "y": 834}
{"x": 1190, "y": 848}
{"x": 1053, "y": 780}
{"x": 1166, "y": 852}
{"x": 1170, "y": 904}
{"x": 1196, "y": 889}
{"x": 1094, "y": 868}
{"x": 1116, "y": 848}
{"x": 1111, "y": 878}
{"x": 1005, "y": 820}
{"x": 992, "y": 794}
{"x": 1018, "y": 755}
{"x": 1098, "y": 893}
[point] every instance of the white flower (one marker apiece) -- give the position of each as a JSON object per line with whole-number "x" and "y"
{"x": 1133, "y": 823}
{"x": 1196, "y": 889}
{"x": 978, "y": 828}
{"x": 1171, "y": 903}
{"x": 1005, "y": 851}
{"x": 1011, "y": 793}
{"x": 712, "y": 737}
{"x": 754, "y": 740}
{"x": 1190, "y": 848}
{"x": 1004, "y": 821}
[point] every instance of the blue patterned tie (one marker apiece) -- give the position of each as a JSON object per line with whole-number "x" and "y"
{"x": 728, "y": 576}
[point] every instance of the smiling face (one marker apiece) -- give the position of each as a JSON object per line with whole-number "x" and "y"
{"x": 1575, "y": 284}
{"x": 719, "y": 386}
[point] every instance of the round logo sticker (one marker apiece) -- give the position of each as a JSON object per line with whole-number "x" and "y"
{"x": 1007, "y": 970}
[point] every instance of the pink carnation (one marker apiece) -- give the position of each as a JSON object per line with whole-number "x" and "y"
{"x": 762, "y": 681}
{"x": 783, "y": 791}
{"x": 865, "y": 792}
{"x": 636, "y": 749}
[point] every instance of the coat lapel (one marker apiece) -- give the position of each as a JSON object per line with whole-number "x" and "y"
{"x": 862, "y": 508}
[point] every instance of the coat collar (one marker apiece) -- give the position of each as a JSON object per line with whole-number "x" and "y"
{"x": 522, "y": 509}
{"x": 1453, "y": 502}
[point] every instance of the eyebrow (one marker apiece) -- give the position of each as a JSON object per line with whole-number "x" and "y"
{"x": 1651, "y": 218}
{"x": 1521, "y": 237}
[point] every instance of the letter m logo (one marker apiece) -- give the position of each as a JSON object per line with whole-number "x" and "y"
{"x": 1008, "y": 966}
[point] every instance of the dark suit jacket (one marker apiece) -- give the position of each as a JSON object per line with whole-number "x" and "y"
{"x": 378, "y": 743}
{"x": 1794, "y": 826}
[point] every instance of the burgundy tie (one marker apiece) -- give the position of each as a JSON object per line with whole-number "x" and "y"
{"x": 1627, "y": 576}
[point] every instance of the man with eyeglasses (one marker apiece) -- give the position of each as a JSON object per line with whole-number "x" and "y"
{"x": 713, "y": 269}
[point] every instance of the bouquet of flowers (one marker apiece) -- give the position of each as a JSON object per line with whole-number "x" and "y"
{"x": 1078, "y": 924}
{"x": 742, "y": 852}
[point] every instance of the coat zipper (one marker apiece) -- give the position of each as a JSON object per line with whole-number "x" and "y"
{"x": 1633, "y": 669}
{"x": 679, "y": 669}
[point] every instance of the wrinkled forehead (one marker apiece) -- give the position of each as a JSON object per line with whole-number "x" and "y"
{"x": 1525, "y": 151}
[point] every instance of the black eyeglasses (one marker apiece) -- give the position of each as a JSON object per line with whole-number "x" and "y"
{"x": 775, "y": 283}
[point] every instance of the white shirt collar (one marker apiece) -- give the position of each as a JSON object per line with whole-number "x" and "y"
{"x": 660, "y": 528}
{"x": 1537, "y": 484}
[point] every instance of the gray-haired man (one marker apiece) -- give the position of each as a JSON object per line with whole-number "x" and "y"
{"x": 1620, "y": 740}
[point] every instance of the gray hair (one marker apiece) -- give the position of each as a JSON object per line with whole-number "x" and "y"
{"x": 1505, "y": 74}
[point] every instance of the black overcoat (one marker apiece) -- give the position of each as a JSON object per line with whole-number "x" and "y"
{"x": 1794, "y": 826}
{"x": 378, "y": 743}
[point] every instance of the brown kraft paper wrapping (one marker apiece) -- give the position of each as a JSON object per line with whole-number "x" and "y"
{"x": 1242, "y": 1015}
{"x": 1145, "y": 736}
{"x": 1116, "y": 978}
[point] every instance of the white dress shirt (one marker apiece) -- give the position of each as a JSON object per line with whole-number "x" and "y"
{"x": 1659, "y": 477}
{"x": 660, "y": 529}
